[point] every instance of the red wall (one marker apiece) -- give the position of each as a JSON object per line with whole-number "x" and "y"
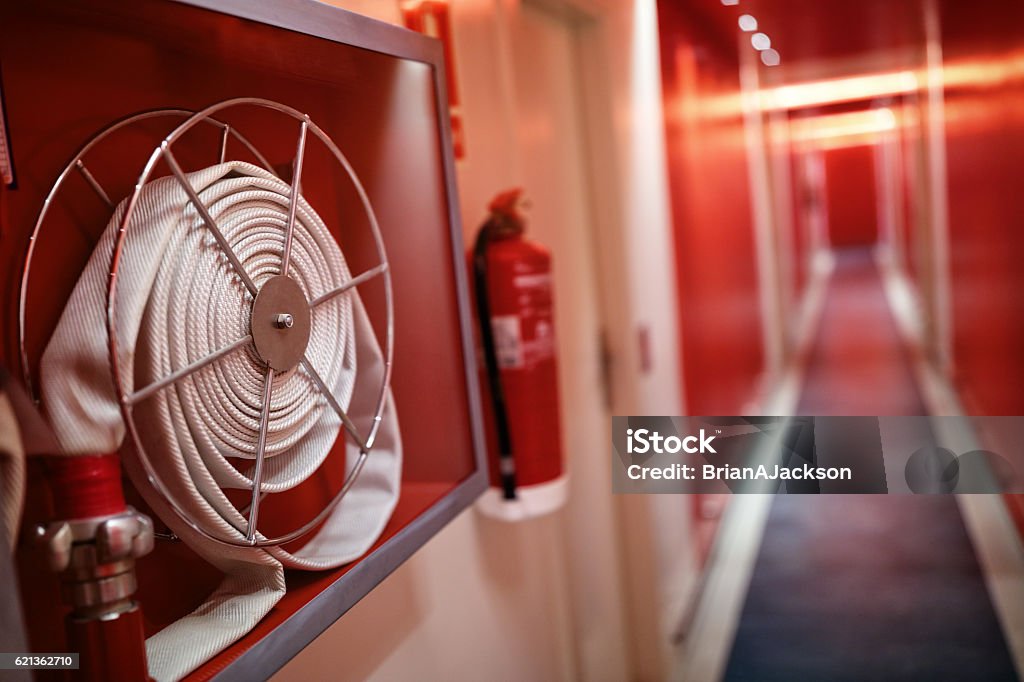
{"x": 802, "y": 197}
{"x": 715, "y": 257}
{"x": 852, "y": 202}
{"x": 985, "y": 145}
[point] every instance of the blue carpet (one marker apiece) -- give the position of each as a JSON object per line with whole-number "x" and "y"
{"x": 867, "y": 588}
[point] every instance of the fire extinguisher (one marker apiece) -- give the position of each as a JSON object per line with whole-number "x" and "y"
{"x": 514, "y": 305}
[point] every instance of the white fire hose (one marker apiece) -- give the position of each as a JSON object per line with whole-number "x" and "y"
{"x": 180, "y": 301}
{"x": 12, "y": 475}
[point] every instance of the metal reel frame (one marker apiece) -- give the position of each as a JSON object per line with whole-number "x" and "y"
{"x": 129, "y": 397}
{"x": 77, "y": 163}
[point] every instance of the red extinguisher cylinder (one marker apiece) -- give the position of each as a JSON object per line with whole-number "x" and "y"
{"x": 522, "y": 320}
{"x": 515, "y": 311}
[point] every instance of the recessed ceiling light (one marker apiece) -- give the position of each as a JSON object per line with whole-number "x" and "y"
{"x": 728, "y": 3}
{"x": 760, "y": 41}
{"x": 770, "y": 57}
{"x": 748, "y": 23}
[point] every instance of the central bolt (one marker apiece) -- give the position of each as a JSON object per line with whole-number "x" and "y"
{"x": 280, "y": 323}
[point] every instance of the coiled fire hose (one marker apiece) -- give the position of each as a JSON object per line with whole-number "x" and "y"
{"x": 181, "y": 301}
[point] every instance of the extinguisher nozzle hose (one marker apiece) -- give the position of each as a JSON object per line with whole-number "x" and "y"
{"x": 501, "y": 425}
{"x": 508, "y": 477}
{"x": 508, "y": 487}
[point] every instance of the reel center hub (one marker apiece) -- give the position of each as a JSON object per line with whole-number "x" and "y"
{"x": 280, "y": 322}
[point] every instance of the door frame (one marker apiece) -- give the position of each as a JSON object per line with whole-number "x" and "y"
{"x": 628, "y": 188}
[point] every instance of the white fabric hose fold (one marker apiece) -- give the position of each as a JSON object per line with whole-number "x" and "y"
{"x": 179, "y": 300}
{"x": 12, "y": 475}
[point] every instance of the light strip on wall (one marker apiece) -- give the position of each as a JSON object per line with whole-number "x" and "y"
{"x": 849, "y": 124}
{"x": 837, "y": 90}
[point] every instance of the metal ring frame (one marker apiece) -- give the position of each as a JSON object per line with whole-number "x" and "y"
{"x": 77, "y": 163}
{"x": 127, "y": 399}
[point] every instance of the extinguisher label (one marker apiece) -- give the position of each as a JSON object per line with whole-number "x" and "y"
{"x": 508, "y": 341}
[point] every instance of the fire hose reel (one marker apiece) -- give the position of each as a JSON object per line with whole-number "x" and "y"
{"x": 216, "y": 340}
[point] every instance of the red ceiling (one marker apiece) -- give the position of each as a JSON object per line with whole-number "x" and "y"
{"x": 805, "y": 31}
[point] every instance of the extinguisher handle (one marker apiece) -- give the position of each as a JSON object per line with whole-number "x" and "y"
{"x": 497, "y": 393}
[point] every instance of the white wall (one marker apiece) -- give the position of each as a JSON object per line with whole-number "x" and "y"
{"x": 485, "y": 599}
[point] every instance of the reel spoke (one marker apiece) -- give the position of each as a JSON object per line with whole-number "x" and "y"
{"x": 96, "y": 187}
{"x": 322, "y": 387}
{"x": 224, "y": 136}
{"x": 352, "y": 283}
{"x": 152, "y": 388}
{"x": 261, "y": 448}
{"x": 246, "y": 508}
{"x": 293, "y": 202}
{"x": 207, "y": 218}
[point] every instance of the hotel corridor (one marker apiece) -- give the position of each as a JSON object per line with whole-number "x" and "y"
{"x": 847, "y": 246}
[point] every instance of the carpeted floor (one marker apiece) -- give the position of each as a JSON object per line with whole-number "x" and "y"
{"x": 869, "y": 587}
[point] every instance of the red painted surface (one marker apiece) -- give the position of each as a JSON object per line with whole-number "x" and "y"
{"x": 382, "y": 113}
{"x": 521, "y": 298}
{"x": 984, "y": 145}
{"x": 112, "y": 650}
{"x": 86, "y": 486}
{"x": 707, "y": 172}
{"x": 432, "y": 18}
{"x": 802, "y": 197}
{"x": 812, "y": 30}
{"x": 852, "y": 203}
